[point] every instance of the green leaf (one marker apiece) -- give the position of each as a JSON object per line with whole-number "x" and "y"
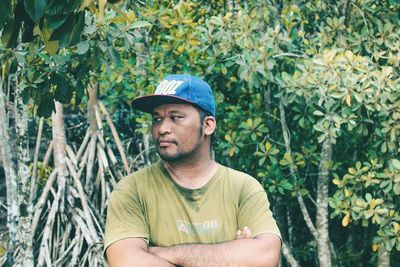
{"x": 78, "y": 25}
{"x": 114, "y": 55}
{"x": 383, "y": 147}
{"x": 140, "y": 24}
{"x": 10, "y": 33}
{"x": 130, "y": 38}
{"x": 318, "y": 113}
{"x": 20, "y": 58}
{"x": 83, "y": 47}
{"x": 55, "y": 21}
{"x": 35, "y": 8}
{"x": 396, "y": 163}
{"x": 72, "y": 5}
{"x": 51, "y": 46}
{"x": 46, "y": 106}
{"x": 301, "y": 122}
{"x": 62, "y": 34}
{"x": 5, "y": 12}
{"x": 286, "y": 77}
{"x": 27, "y": 31}
{"x": 26, "y": 94}
{"x": 80, "y": 92}
{"x": 64, "y": 90}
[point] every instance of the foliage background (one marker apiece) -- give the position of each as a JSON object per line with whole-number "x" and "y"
{"x": 307, "y": 96}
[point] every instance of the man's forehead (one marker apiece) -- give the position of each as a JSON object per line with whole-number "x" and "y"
{"x": 173, "y": 108}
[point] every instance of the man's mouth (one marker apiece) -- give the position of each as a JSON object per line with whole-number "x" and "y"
{"x": 163, "y": 143}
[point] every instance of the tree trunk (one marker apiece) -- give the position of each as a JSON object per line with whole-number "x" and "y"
{"x": 320, "y": 232}
{"x": 59, "y": 143}
{"x": 10, "y": 177}
{"x": 323, "y": 241}
{"x": 57, "y": 205}
{"x": 383, "y": 257}
{"x": 141, "y": 55}
{"x": 25, "y": 255}
{"x": 293, "y": 170}
{"x": 93, "y": 129}
{"x": 289, "y": 256}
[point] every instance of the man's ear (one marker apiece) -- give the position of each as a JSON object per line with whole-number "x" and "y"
{"x": 209, "y": 125}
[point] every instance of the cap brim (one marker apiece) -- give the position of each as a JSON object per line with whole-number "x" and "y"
{"x": 149, "y": 102}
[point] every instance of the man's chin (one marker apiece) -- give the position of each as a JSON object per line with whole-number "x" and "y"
{"x": 169, "y": 157}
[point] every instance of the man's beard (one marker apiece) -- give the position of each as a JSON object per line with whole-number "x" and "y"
{"x": 179, "y": 155}
{"x": 182, "y": 155}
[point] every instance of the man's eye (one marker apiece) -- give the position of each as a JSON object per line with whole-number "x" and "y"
{"x": 155, "y": 120}
{"x": 176, "y": 117}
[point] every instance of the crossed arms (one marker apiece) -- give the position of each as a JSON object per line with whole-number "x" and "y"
{"x": 263, "y": 250}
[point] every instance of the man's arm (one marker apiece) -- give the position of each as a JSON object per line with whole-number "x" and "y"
{"x": 263, "y": 250}
{"x": 132, "y": 252}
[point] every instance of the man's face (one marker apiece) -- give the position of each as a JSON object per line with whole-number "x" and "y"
{"x": 177, "y": 131}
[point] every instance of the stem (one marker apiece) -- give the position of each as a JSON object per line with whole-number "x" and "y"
{"x": 289, "y": 256}
{"x": 347, "y": 13}
{"x": 322, "y": 204}
{"x": 10, "y": 177}
{"x": 91, "y": 159}
{"x": 44, "y": 253}
{"x": 36, "y": 156}
{"x": 293, "y": 171}
{"x": 25, "y": 255}
{"x": 84, "y": 202}
{"x": 383, "y": 257}
{"x": 115, "y": 135}
{"x": 48, "y": 154}
{"x": 42, "y": 200}
{"x": 83, "y": 145}
{"x": 71, "y": 155}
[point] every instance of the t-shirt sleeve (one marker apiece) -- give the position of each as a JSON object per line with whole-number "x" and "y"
{"x": 125, "y": 214}
{"x": 254, "y": 210}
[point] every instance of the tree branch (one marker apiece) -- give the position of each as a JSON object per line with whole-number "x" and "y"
{"x": 289, "y": 256}
{"x": 115, "y": 135}
{"x": 36, "y": 156}
{"x": 293, "y": 170}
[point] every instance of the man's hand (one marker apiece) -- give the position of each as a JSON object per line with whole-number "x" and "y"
{"x": 132, "y": 252}
{"x": 164, "y": 252}
{"x": 246, "y": 233}
{"x": 263, "y": 250}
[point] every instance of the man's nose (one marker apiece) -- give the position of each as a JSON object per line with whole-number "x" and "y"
{"x": 164, "y": 127}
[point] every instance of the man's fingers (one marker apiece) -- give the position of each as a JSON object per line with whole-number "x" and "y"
{"x": 239, "y": 234}
{"x": 246, "y": 232}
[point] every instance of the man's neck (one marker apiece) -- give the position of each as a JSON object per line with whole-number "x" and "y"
{"x": 192, "y": 175}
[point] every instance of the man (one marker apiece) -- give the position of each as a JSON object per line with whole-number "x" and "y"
{"x": 188, "y": 210}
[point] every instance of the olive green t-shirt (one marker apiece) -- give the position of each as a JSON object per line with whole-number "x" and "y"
{"x": 149, "y": 204}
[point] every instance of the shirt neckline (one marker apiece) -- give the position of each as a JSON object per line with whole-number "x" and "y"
{"x": 200, "y": 190}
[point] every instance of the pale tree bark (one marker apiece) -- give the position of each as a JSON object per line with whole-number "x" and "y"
{"x": 141, "y": 55}
{"x": 59, "y": 156}
{"x": 320, "y": 231}
{"x": 59, "y": 144}
{"x": 286, "y": 136}
{"x": 25, "y": 255}
{"x": 323, "y": 242}
{"x": 289, "y": 256}
{"x": 383, "y": 257}
{"x": 68, "y": 199}
{"x": 293, "y": 170}
{"x": 36, "y": 157}
{"x": 10, "y": 177}
{"x": 93, "y": 129}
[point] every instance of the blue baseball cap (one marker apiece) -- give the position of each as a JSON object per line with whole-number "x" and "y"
{"x": 178, "y": 89}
